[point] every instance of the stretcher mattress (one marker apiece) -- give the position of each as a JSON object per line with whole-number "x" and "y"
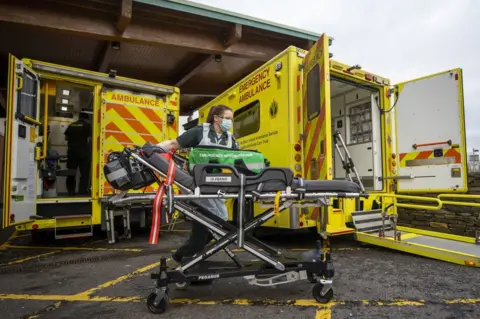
{"x": 271, "y": 179}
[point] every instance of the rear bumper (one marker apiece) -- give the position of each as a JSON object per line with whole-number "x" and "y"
{"x": 52, "y": 223}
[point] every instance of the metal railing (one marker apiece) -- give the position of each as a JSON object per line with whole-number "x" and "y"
{"x": 456, "y": 203}
{"x": 417, "y": 198}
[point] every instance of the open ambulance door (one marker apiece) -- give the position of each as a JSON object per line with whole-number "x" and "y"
{"x": 21, "y": 128}
{"x": 317, "y": 135}
{"x": 430, "y": 126}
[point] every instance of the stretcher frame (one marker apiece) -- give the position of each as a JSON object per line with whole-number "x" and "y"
{"x": 318, "y": 269}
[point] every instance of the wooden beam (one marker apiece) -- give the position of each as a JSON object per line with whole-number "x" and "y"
{"x": 110, "y": 51}
{"x": 141, "y": 31}
{"x": 234, "y": 36}
{"x": 193, "y": 68}
{"x": 125, "y": 15}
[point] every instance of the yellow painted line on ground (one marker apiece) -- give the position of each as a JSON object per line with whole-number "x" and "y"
{"x": 240, "y": 302}
{"x": 463, "y": 301}
{"x": 7, "y": 242}
{"x": 73, "y": 248}
{"x": 38, "y": 297}
{"x": 19, "y": 261}
{"x": 397, "y": 303}
{"x": 119, "y": 279}
{"x": 323, "y": 314}
{"x": 44, "y": 310}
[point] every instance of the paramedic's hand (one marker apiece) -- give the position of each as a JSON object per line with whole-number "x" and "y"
{"x": 168, "y": 145}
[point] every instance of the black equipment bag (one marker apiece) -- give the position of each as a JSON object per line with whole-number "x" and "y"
{"x": 123, "y": 173}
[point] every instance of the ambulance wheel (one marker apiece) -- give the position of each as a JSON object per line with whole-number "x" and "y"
{"x": 162, "y": 305}
{"x": 321, "y": 297}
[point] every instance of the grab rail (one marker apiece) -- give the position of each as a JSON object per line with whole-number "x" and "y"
{"x": 45, "y": 126}
{"x": 472, "y": 204}
{"x": 419, "y": 198}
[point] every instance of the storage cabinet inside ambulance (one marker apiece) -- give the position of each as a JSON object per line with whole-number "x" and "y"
{"x": 61, "y": 105}
{"x": 355, "y": 112}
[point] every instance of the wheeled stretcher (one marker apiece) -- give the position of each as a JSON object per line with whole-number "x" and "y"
{"x": 275, "y": 187}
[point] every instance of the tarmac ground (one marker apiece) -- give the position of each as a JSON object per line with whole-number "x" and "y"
{"x": 88, "y": 278}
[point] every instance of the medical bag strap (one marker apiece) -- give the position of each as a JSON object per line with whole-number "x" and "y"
{"x": 166, "y": 185}
{"x": 276, "y": 204}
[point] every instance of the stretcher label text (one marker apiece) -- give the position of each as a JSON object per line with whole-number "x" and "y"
{"x": 254, "y": 85}
{"x": 206, "y": 277}
{"x": 218, "y": 179}
{"x": 133, "y": 99}
{"x": 231, "y": 155}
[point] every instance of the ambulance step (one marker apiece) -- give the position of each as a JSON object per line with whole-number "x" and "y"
{"x": 370, "y": 221}
{"x": 73, "y": 234}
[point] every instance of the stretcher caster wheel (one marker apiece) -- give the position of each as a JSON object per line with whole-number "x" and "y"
{"x": 160, "y": 307}
{"x": 311, "y": 278}
{"x": 320, "y": 296}
{"x": 182, "y": 285}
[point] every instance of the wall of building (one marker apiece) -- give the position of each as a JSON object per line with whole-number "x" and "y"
{"x": 458, "y": 220}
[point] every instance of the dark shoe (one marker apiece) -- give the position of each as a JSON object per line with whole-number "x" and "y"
{"x": 176, "y": 258}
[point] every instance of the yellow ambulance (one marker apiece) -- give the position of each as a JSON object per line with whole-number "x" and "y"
{"x": 43, "y": 99}
{"x": 302, "y": 110}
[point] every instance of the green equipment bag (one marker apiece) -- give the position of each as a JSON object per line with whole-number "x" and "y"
{"x": 252, "y": 161}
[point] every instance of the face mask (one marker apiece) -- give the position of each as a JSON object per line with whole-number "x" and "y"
{"x": 225, "y": 125}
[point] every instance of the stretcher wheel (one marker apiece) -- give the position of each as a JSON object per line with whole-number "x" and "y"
{"x": 162, "y": 305}
{"x": 319, "y": 297}
{"x": 311, "y": 278}
{"x": 182, "y": 285}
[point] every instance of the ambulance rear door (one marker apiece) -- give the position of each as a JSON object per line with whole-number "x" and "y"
{"x": 129, "y": 119}
{"x": 21, "y": 130}
{"x": 317, "y": 135}
{"x": 431, "y": 142}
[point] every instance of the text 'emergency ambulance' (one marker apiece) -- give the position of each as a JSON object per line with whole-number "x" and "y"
{"x": 256, "y": 84}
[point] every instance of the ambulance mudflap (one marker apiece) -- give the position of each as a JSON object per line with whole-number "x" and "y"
{"x": 431, "y": 142}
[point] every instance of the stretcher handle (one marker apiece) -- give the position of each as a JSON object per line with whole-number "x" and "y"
{"x": 449, "y": 142}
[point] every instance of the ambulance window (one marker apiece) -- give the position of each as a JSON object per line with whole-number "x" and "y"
{"x": 313, "y": 92}
{"x": 246, "y": 120}
{"x": 27, "y": 96}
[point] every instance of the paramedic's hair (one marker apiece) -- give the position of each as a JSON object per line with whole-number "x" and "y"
{"x": 217, "y": 110}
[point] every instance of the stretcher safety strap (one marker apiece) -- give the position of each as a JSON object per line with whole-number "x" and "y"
{"x": 166, "y": 186}
{"x": 276, "y": 204}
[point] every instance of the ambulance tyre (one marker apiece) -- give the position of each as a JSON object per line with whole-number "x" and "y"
{"x": 322, "y": 297}
{"x": 162, "y": 305}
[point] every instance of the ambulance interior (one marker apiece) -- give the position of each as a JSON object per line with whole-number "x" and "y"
{"x": 355, "y": 112}
{"x": 65, "y": 102}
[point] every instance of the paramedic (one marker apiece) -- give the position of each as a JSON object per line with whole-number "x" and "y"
{"x": 214, "y": 132}
{"x": 78, "y": 136}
